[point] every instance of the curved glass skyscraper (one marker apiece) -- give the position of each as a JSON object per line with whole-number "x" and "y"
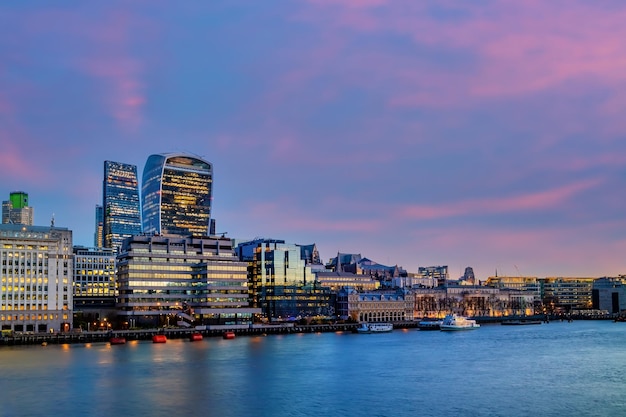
{"x": 176, "y": 195}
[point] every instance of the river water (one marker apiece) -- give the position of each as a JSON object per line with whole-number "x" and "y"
{"x": 555, "y": 369}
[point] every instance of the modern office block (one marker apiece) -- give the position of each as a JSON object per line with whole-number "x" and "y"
{"x": 281, "y": 281}
{"x": 173, "y": 280}
{"x": 176, "y": 195}
{"x": 98, "y": 237}
{"x": 15, "y": 210}
{"x": 120, "y": 202}
{"x": 94, "y": 278}
{"x": 35, "y": 287}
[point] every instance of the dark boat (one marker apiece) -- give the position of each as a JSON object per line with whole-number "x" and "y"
{"x": 117, "y": 340}
{"x": 520, "y": 322}
{"x": 429, "y": 324}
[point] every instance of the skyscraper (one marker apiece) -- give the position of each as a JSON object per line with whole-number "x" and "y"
{"x": 120, "y": 202}
{"x": 16, "y": 209}
{"x": 98, "y": 238}
{"x": 176, "y": 195}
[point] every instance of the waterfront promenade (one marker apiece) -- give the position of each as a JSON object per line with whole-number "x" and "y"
{"x": 241, "y": 330}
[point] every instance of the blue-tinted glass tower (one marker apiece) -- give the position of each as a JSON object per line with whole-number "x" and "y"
{"x": 176, "y": 195}
{"x": 120, "y": 202}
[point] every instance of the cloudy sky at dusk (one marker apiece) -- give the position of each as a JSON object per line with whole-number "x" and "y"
{"x": 489, "y": 134}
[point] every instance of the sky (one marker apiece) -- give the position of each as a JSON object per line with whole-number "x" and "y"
{"x": 488, "y": 134}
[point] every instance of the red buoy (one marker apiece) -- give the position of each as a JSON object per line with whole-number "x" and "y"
{"x": 194, "y": 337}
{"x": 159, "y": 338}
{"x": 229, "y": 335}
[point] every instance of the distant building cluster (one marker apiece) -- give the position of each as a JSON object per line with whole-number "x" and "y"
{"x": 158, "y": 261}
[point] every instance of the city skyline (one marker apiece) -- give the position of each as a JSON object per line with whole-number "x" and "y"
{"x": 485, "y": 135}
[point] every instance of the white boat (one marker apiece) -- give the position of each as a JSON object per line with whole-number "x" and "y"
{"x": 456, "y": 322}
{"x": 374, "y": 328}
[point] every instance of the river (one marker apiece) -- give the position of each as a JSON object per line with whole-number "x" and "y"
{"x": 554, "y": 369}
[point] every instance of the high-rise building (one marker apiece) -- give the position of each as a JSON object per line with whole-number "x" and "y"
{"x": 176, "y": 195}
{"x": 98, "y": 237}
{"x": 36, "y": 290}
{"x": 120, "y": 202}
{"x": 16, "y": 209}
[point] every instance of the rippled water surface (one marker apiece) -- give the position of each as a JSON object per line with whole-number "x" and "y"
{"x": 555, "y": 369}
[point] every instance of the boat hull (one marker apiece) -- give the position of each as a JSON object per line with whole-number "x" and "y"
{"x": 366, "y": 328}
{"x": 454, "y": 322}
{"x": 117, "y": 340}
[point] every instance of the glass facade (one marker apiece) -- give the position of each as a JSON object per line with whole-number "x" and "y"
{"x": 281, "y": 281}
{"x": 120, "y": 202}
{"x": 94, "y": 276}
{"x": 177, "y": 193}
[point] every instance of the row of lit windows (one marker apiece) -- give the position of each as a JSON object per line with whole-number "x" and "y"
{"x": 23, "y": 307}
{"x": 212, "y": 276}
{"x": 89, "y": 272}
{"x": 23, "y": 280}
{"x": 22, "y": 317}
{"x": 205, "y": 301}
{"x": 23, "y": 288}
{"x": 27, "y": 247}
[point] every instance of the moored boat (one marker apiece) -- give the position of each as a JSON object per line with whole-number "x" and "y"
{"x": 117, "y": 340}
{"x": 229, "y": 335}
{"x": 520, "y": 322}
{"x": 456, "y": 322}
{"x": 428, "y": 323}
{"x": 374, "y": 328}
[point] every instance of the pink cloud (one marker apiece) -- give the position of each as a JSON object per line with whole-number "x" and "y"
{"x": 105, "y": 55}
{"x": 534, "y": 201}
{"x": 517, "y": 48}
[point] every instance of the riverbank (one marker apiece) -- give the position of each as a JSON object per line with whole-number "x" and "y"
{"x": 242, "y": 330}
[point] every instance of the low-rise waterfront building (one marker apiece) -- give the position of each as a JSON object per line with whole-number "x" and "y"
{"x": 169, "y": 280}
{"x": 473, "y": 300}
{"x": 566, "y": 293}
{"x": 609, "y": 294}
{"x": 375, "y": 306}
{"x": 35, "y": 287}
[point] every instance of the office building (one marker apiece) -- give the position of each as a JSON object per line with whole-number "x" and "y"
{"x": 37, "y": 269}
{"x": 176, "y": 195}
{"x": 185, "y": 281}
{"x": 280, "y": 279}
{"x": 94, "y": 279}
{"x": 98, "y": 236}
{"x": 609, "y": 294}
{"x": 16, "y": 210}
{"x": 120, "y": 202}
